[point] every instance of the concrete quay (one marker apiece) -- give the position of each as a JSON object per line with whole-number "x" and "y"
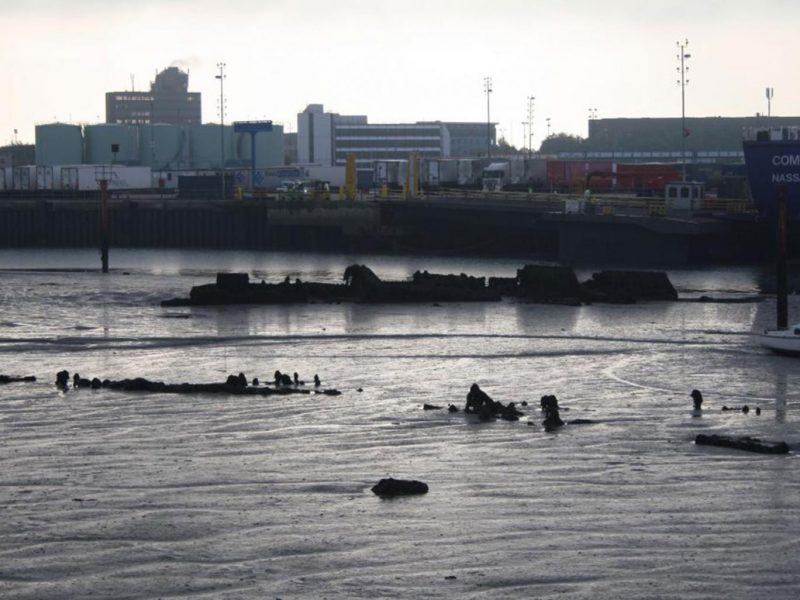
{"x": 443, "y": 225}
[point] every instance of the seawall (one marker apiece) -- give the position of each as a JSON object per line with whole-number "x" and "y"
{"x": 443, "y": 226}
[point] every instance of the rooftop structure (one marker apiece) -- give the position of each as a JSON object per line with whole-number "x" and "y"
{"x": 168, "y": 101}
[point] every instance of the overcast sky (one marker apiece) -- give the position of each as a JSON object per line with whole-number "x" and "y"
{"x": 404, "y": 60}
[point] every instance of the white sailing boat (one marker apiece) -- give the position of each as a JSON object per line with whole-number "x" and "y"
{"x": 782, "y": 341}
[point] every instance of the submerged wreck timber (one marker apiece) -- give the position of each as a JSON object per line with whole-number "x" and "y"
{"x": 533, "y": 283}
{"x": 747, "y": 444}
{"x": 234, "y": 385}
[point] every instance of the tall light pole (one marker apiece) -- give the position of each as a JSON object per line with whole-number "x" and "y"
{"x": 548, "y": 126}
{"x": 221, "y": 77}
{"x": 530, "y": 125}
{"x": 487, "y": 87}
{"x": 770, "y": 94}
{"x": 524, "y": 135}
{"x": 592, "y": 117}
{"x": 683, "y": 56}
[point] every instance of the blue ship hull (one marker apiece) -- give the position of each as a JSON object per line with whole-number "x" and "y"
{"x": 771, "y": 166}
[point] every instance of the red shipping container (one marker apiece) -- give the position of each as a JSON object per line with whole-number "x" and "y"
{"x": 576, "y": 174}
{"x": 646, "y": 177}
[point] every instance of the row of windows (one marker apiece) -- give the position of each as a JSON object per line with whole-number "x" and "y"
{"x": 137, "y": 98}
{"x": 433, "y": 126}
{"x": 467, "y": 141}
{"x": 387, "y": 144}
{"x": 134, "y": 113}
{"x": 384, "y": 149}
{"x": 394, "y": 131}
{"x": 342, "y": 156}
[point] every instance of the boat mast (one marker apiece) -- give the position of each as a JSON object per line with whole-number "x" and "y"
{"x": 782, "y": 308}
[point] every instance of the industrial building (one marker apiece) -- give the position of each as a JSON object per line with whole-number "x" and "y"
{"x": 468, "y": 139}
{"x": 326, "y": 138}
{"x": 168, "y": 101}
{"x": 159, "y": 146}
{"x": 704, "y": 138}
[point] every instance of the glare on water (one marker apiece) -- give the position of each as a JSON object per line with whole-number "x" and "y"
{"x": 129, "y": 495}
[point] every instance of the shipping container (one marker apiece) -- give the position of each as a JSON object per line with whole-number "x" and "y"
{"x": 579, "y": 175}
{"x": 516, "y": 166}
{"x": 44, "y": 178}
{"x": 6, "y": 178}
{"x": 439, "y": 172}
{"x": 24, "y": 178}
{"x": 333, "y": 175}
{"x": 470, "y": 170}
{"x": 535, "y": 172}
{"x": 431, "y": 173}
{"x": 448, "y": 172}
{"x": 646, "y": 178}
{"x": 205, "y": 186}
{"x": 269, "y": 178}
{"x": 364, "y": 178}
{"x": 390, "y": 172}
{"x": 119, "y": 177}
{"x": 168, "y": 179}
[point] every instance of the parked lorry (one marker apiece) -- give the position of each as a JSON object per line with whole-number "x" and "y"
{"x": 495, "y": 176}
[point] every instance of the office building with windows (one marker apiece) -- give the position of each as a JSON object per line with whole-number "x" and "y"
{"x": 168, "y": 101}
{"x": 326, "y": 139}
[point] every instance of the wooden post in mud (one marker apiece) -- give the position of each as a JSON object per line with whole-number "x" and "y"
{"x": 782, "y": 307}
{"x": 104, "y": 224}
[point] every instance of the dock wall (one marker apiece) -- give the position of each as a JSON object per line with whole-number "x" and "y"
{"x": 414, "y": 227}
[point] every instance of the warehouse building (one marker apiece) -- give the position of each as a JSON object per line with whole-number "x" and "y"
{"x": 704, "y": 138}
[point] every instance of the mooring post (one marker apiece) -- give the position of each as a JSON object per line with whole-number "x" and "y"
{"x": 252, "y": 161}
{"x": 782, "y": 307}
{"x": 104, "y": 224}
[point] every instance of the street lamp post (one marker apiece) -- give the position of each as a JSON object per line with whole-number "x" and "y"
{"x": 683, "y": 82}
{"x": 530, "y": 125}
{"x": 221, "y": 78}
{"x": 770, "y": 94}
{"x": 487, "y": 87}
{"x": 525, "y": 134}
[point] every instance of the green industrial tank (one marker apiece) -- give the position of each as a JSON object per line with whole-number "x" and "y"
{"x": 59, "y": 144}
{"x": 101, "y": 139}
{"x": 164, "y": 147}
{"x": 205, "y": 146}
